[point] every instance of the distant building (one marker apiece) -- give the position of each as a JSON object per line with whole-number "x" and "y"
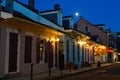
{"x": 117, "y": 44}
{"x": 98, "y": 35}
{"x": 93, "y": 30}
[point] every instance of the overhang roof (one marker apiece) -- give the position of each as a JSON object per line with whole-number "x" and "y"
{"x": 28, "y": 25}
{"x": 78, "y": 32}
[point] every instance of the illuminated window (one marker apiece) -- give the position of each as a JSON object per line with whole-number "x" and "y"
{"x": 40, "y": 50}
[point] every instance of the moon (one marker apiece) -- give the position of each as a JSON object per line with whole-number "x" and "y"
{"x": 76, "y": 14}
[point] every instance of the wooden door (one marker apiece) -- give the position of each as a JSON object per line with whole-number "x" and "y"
{"x": 13, "y": 46}
{"x": 56, "y": 54}
{"x": 51, "y": 56}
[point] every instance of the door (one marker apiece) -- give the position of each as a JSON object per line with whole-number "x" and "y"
{"x": 49, "y": 54}
{"x": 56, "y": 55}
{"x": 13, "y": 46}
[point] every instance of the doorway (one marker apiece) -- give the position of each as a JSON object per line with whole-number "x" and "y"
{"x": 13, "y": 51}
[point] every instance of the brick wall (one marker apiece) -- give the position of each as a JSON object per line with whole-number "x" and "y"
{"x": 92, "y": 30}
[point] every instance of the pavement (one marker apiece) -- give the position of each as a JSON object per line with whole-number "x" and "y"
{"x": 58, "y": 74}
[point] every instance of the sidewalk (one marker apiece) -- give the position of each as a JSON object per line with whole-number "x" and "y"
{"x": 57, "y": 74}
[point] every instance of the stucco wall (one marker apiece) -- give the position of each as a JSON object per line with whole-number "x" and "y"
{"x": 2, "y": 50}
{"x": 22, "y": 67}
{"x": 26, "y": 68}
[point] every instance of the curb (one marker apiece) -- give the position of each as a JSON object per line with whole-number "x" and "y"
{"x": 72, "y": 74}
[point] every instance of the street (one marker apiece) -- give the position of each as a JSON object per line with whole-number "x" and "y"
{"x": 106, "y": 73}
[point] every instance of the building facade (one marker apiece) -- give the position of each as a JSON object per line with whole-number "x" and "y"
{"x": 97, "y": 34}
{"x": 28, "y": 40}
{"x": 46, "y": 40}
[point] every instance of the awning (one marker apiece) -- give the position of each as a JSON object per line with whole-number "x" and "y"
{"x": 37, "y": 28}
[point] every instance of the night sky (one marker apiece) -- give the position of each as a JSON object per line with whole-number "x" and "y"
{"x": 95, "y": 11}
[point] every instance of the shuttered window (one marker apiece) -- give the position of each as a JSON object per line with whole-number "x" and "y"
{"x": 28, "y": 49}
{"x": 38, "y": 51}
{"x": 67, "y": 51}
{"x": 47, "y": 44}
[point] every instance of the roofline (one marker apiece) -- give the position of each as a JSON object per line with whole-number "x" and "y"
{"x": 71, "y": 29}
{"x": 32, "y": 9}
{"x": 70, "y": 16}
{"x": 47, "y": 11}
{"x": 99, "y": 25}
{"x": 31, "y": 21}
{"x": 90, "y": 24}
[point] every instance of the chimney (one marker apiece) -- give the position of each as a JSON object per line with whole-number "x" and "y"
{"x": 81, "y": 17}
{"x": 31, "y": 3}
{"x": 57, "y": 7}
{"x": 9, "y": 5}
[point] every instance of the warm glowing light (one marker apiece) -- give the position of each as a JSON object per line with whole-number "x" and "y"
{"x": 52, "y": 39}
{"x": 87, "y": 45}
{"x": 57, "y": 39}
{"x": 81, "y": 42}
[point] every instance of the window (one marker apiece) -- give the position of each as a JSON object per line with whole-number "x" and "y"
{"x": 73, "y": 51}
{"x": 66, "y": 23}
{"x": 78, "y": 46}
{"x": 28, "y": 49}
{"x": 40, "y": 50}
{"x": 83, "y": 53}
{"x": 86, "y": 30}
{"x": 67, "y": 51}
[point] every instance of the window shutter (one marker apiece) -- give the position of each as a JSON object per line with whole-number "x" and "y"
{"x": 46, "y": 51}
{"x": 28, "y": 49}
{"x": 38, "y": 51}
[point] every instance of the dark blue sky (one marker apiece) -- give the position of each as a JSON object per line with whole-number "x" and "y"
{"x": 95, "y": 11}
